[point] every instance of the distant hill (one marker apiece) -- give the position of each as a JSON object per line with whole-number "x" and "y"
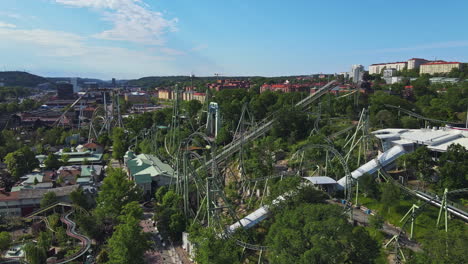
{"x": 18, "y": 78}
{"x": 156, "y": 81}
{"x": 81, "y": 81}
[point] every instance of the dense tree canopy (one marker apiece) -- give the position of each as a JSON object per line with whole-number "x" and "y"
{"x": 318, "y": 233}
{"x": 116, "y": 191}
{"x": 21, "y": 162}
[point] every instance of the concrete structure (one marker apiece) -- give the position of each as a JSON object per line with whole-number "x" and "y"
{"x": 93, "y": 147}
{"x": 44, "y": 117}
{"x": 165, "y": 94}
{"x": 64, "y": 90}
{"x": 414, "y": 63}
{"x": 287, "y": 87}
{"x": 137, "y": 97}
{"x": 145, "y": 169}
{"x": 201, "y": 97}
{"x": 389, "y": 72}
{"x": 26, "y": 201}
{"x": 76, "y": 87}
{"x": 220, "y": 85}
{"x": 439, "y": 67}
{"x": 357, "y": 71}
{"x": 394, "y": 79}
{"x": 379, "y": 67}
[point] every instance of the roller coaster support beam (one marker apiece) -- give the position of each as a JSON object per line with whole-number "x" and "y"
{"x": 443, "y": 207}
{"x": 412, "y": 215}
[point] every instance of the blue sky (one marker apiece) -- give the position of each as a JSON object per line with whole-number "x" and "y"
{"x": 136, "y": 38}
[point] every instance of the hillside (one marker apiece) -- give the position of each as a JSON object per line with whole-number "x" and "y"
{"x": 18, "y": 78}
{"x": 155, "y": 81}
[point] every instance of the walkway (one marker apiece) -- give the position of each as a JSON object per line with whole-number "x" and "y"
{"x": 162, "y": 251}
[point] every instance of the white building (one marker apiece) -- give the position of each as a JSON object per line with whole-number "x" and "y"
{"x": 74, "y": 82}
{"x": 357, "y": 71}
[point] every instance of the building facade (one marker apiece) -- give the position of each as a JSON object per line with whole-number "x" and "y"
{"x": 357, "y": 71}
{"x": 439, "y": 67}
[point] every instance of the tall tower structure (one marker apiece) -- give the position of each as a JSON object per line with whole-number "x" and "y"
{"x": 357, "y": 71}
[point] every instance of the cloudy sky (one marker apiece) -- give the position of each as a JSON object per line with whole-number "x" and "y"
{"x": 136, "y": 38}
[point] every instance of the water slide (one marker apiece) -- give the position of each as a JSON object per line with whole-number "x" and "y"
{"x": 71, "y": 232}
{"x": 374, "y": 165}
{"x": 370, "y": 167}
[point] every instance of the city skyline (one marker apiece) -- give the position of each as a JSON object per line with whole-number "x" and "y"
{"x": 136, "y": 38}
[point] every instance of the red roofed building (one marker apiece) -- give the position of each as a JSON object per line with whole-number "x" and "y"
{"x": 439, "y": 67}
{"x": 285, "y": 87}
{"x": 229, "y": 84}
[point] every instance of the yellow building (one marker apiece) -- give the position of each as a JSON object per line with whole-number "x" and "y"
{"x": 439, "y": 67}
{"x": 164, "y": 94}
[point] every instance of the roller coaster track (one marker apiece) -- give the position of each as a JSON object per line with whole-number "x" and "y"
{"x": 71, "y": 229}
{"x": 428, "y": 198}
{"x": 418, "y": 115}
{"x": 265, "y": 125}
{"x": 433, "y": 201}
{"x": 71, "y": 232}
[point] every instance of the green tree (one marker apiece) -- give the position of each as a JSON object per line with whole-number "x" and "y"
{"x": 409, "y": 122}
{"x": 34, "y": 254}
{"x": 21, "y": 162}
{"x": 390, "y": 196}
{"x": 119, "y": 146}
{"x": 211, "y": 249}
{"x": 454, "y": 168}
{"x": 133, "y": 209}
{"x": 368, "y": 186}
{"x": 192, "y": 108}
{"x": 169, "y": 214}
{"x": 318, "y": 233}
{"x": 128, "y": 243}
{"x": 79, "y": 198}
{"x": 52, "y": 162}
{"x": 447, "y": 248}
{"x": 49, "y": 198}
{"x": 116, "y": 191}
{"x": 5, "y": 241}
{"x": 419, "y": 163}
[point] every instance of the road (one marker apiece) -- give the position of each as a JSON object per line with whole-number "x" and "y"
{"x": 363, "y": 219}
{"x": 162, "y": 251}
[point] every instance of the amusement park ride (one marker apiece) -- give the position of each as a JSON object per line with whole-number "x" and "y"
{"x": 200, "y": 167}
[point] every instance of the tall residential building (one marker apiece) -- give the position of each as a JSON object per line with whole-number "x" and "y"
{"x": 439, "y": 67}
{"x": 74, "y": 82}
{"x": 357, "y": 71}
{"x": 414, "y": 63}
{"x": 379, "y": 67}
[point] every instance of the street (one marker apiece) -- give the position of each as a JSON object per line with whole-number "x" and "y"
{"x": 161, "y": 252}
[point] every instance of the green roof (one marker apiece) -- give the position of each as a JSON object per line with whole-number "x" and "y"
{"x": 31, "y": 178}
{"x": 16, "y": 188}
{"x": 83, "y": 180}
{"x": 143, "y": 178}
{"x": 148, "y": 164}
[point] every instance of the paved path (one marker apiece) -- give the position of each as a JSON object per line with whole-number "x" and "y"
{"x": 161, "y": 252}
{"x": 363, "y": 219}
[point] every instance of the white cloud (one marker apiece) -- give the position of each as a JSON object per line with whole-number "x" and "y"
{"x": 56, "y": 48}
{"x": 132, "y": 20}
{"x": 6, "y": 25}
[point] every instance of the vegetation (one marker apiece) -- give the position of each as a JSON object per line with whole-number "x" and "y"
{"x": 21, "y": 162}
{"x": 128, "y": 243}
{"x": 49, "y": 198}
{"x": 116, "y": 191}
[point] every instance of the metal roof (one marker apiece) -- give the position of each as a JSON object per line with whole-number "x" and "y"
{"x": 320, "y": 180}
